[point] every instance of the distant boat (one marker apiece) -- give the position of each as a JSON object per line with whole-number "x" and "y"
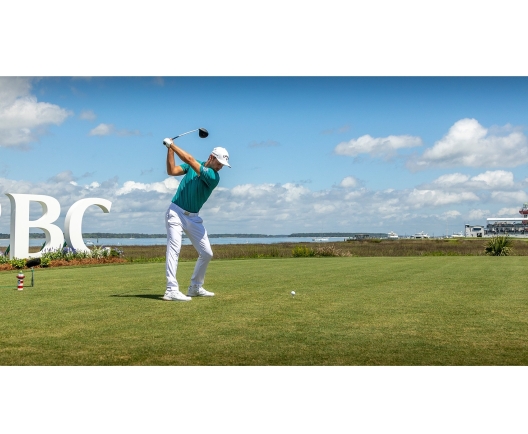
{"x": 89, "y": 243}
{"x": 458, "y": 235}
{"x": 319, "y": 239}
{"x": 420, "y": 235}
{"x": 392, "y": 235}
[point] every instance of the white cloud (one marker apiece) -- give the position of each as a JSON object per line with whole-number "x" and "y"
{"x": 451, "y": 179}
{"x": 427, "y": 198}
{"x": 109, "y": 129}
{"x": 478, "y": 214}
{"x": 167, "y": 186}
{"x": 354, "y": 195}
{"x": 261, "y": 208}
{"x": 252, "y": 191}
{"x": 349, "y": 182}
{"x": 489, "y": 180}
{"x": 93, "y": 185}
{"x": 102, "y": 130}
{"x": 293, "y": 192}
{"x": 518, "y": 196}
{"x": 450, "y": 215}
{"x": 12, "y": 88}
{"x": 281, "y": 195}
{"x": 22, "y": 118}
{"x": 66, "y": 176}
{"x": 468, "y": 143}
{"x": 495, "y": 179}
{"x": 509, "y": 212}
{"x": 87, "y": 115}
{"x": 325, "y": 209}
{"x": 497, "y": 130}
{"x": 377, "y": 147}
{"x": 275, "y": 208}
{"x": 388, "y": 206}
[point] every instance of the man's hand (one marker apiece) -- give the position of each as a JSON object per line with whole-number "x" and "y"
{"x": 168, "y": 142}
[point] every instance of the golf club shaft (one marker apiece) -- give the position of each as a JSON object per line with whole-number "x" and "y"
{"x": 174, "y": 138}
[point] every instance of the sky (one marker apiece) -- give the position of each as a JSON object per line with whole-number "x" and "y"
{"x": 308, "y": 153}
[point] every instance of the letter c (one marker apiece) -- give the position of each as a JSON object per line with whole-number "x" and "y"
{"x": 73, "y": 221}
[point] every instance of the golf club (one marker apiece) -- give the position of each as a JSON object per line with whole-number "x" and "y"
{"x": 202, "y": 132}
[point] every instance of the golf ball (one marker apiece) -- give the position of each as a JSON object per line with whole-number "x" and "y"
{"x": 293, "y": 293}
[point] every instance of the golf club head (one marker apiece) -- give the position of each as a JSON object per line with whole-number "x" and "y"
{"x": 202, "y": 132}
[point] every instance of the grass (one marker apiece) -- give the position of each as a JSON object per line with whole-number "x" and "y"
{"x": 400, "y": 311}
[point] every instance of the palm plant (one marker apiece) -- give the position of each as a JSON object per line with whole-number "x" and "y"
{"x": 499, "y": 246}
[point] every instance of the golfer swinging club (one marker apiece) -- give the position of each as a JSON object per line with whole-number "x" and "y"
{"x": 182, "y": 216}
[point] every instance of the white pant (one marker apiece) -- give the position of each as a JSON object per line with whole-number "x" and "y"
{"x": 179, "y": 221}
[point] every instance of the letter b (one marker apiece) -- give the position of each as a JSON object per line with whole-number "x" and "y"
{"x": 20, "y": 224}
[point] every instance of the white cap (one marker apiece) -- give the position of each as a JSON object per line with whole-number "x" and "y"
{"x": 221, "y": 155}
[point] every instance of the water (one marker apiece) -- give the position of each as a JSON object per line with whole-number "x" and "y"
{"x": 34, "y": 242}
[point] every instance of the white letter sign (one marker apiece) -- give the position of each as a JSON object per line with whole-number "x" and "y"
{"x": 73, "y": 222}
{"x": 20, "y": 223}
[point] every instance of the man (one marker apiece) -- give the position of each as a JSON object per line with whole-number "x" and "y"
{"x": 182, "y": 216}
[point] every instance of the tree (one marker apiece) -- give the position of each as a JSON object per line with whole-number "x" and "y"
{"x": 499, "y": 246}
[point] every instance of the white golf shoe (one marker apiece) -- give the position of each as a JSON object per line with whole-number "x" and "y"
{"x": 175, "y": 296}
{"x": 198, "y": 291}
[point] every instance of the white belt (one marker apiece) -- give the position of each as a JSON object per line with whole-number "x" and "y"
{"x": 187, "y": 213}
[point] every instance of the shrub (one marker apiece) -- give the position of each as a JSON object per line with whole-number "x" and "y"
{"x": 18, "y": 263}
{"x": 53, "y": 254}
{"x": 115, "y": 252}
{"x": 68, "y": 254}
{"x": 302, "y": 252}
{"x": 327, "y": 251}
{"x": 499, "y": 246}
{"x": 99, "y": 253}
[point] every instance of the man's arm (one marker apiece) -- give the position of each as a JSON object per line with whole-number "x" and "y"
{"x": 172, "y": 169}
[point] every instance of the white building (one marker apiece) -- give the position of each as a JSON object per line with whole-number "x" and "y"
{"x": 510, "y": 226}
{"x": 474, "y": 231}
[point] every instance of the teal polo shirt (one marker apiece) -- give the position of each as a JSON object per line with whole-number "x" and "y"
{"x": 194, "y": 190}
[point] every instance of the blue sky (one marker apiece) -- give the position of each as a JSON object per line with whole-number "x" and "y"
{"x": 308, "y": 154}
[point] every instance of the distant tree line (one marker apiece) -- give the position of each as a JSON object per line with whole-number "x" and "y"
{"x": 129, "y": 235}
{"x": 245, "y": 236}
{"x": 337, "y": 234}
{"x": 135, "y": 235}
{"x": 95, "y": 235}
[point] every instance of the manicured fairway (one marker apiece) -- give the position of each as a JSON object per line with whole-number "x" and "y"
{"x": 346, "y": 311}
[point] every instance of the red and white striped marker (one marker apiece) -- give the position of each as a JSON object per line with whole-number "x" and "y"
{"x": 20, "y": 278}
